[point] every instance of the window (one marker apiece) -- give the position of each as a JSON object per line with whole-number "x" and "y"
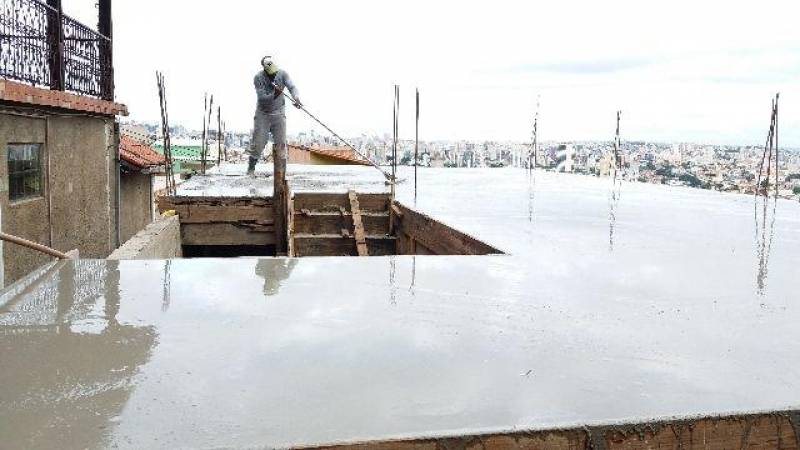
{"x": 24, "y": 171}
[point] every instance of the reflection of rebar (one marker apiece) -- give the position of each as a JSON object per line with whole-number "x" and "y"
{"x": 764, "y": 242}
{"x": 535, "y": 151}
{"x": 392, "y": 270}
{"x": 165, "y": 301}
{"x": 616, "y": 193}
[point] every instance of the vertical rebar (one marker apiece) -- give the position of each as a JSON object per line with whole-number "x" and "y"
{"x": 777, "y": 166}
{"x": 416, "y": 148}
{"x": 617, "y": 144}
{"x": 395, "y": 130}
{"x": 203, "y": 143}
{"x": 219, "y": 136}
{"x": 169, "y": 172}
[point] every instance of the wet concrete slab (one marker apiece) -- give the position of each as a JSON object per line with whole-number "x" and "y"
{"x": 614, "y": 305}
{"x": 229, "y": 180}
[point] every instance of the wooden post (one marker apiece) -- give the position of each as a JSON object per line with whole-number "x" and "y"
{"x": 279, "y": 198}
{"x": 55, "y": 45}
{"x": 290, "y": 222}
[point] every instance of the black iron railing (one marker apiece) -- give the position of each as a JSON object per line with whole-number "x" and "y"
{"x": 42, "y": 46}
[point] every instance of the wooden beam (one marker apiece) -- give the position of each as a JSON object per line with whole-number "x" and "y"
{"x": 358, "y": 227}
{"x": 334, "y": 201}
{"x": 218, "y": 210}
{"x": 225, "y": 234}
{"x": 336, "y": 245}
{"x": 376, "y": 224}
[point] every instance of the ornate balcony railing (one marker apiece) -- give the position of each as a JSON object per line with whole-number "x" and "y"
{"x": 44, "y": 47}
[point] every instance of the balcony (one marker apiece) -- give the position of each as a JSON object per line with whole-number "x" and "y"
{"x": 43, "y": 47}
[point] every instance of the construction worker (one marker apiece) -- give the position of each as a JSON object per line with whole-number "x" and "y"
{"x": 270, "y": 116}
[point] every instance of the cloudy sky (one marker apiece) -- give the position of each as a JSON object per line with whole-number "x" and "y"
{"x": 694, "y": 70}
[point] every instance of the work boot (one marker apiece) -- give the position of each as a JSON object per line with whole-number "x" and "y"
{"x": 251, "y": 168}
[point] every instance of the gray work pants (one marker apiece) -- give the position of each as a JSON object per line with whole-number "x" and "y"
{"x": 263, "y": 126}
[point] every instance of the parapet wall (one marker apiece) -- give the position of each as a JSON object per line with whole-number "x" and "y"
{"x": 160, "y": 240}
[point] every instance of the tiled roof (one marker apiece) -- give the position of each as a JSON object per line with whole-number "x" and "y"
{"x": 342, "y": 154}
{"x": 21, "y": 93}
{"x": 138, "y": 153}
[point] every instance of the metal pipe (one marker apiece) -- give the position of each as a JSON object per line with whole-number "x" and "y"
{"x": 118, "y": 179}
{"x": 33, "y": 246}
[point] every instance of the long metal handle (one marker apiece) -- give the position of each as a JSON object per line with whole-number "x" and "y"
{"x": 303, "y": 108}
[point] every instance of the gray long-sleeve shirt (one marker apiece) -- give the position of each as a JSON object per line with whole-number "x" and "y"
{"x": 268, "y": 102}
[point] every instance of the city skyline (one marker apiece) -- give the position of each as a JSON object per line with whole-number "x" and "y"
{"x": 679, "y": 70}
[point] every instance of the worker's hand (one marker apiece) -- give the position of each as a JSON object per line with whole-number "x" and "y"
{"x": 278, "y": 91}
{"x": 297, "y": 103}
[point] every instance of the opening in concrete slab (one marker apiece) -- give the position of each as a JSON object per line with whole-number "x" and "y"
{"x": 320, "y": 224}
{"x": 227, "y": 251}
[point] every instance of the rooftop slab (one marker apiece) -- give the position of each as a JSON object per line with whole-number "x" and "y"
{"x": 229, "y": 180}
{"x": 612, "y": 306}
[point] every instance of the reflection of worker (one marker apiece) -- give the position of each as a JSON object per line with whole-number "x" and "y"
{"x": 274, "y": 272}
{"x": 270, "y": 115}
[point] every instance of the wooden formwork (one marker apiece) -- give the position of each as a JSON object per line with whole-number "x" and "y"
{"x": 223, "y": 220}
{"x": 777, "y": 431}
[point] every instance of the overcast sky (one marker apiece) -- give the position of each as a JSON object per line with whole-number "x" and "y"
{"x": 693, "y": 70}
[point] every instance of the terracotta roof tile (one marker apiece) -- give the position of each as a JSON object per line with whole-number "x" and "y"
{"x": 344, "y": 154}
{"x": 17, "y": 92}
{"x": 138, "y": 153}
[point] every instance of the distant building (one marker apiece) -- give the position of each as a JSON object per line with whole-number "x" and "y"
{"x": 139, "y": 163}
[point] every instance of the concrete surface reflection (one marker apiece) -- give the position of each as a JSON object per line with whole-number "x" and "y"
{"x": 274, "y": 272}
{"x": 68, "y": 366}
{"x": 553, "y": 334}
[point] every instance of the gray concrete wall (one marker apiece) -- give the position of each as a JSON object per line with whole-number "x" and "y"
{"x": 160, "y": 240}
{"x": 82, "y": 182}
{"x": 28, "y": 219}
{"x": 136, "y": 206}
{"x": 76, "y": 210}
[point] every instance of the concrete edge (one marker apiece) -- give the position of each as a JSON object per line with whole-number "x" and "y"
{"x": 159, "y": 240}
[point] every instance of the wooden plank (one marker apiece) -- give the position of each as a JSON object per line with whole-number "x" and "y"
{"x": 332, "y": 223}
{"x": 324, "y": 245}
{"x": 336, "y": 245}
{"x": 358, "y": 227}
{"x": 437, "y": 237}
{"x": 334, "y": 201}
{"x": 765, "y": 431}
{"x": 225, "y": 234}
{"x": 397, "y": 212}
{"x": 166, "y": 201}
{"x": 204, "y": 210}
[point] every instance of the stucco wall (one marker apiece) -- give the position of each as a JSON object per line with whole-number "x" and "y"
{"x": 136, "y": 207}
{"x": 28, "y": 219}
{"x": 82, "y": 184}
{"x": 78, "y": 185}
